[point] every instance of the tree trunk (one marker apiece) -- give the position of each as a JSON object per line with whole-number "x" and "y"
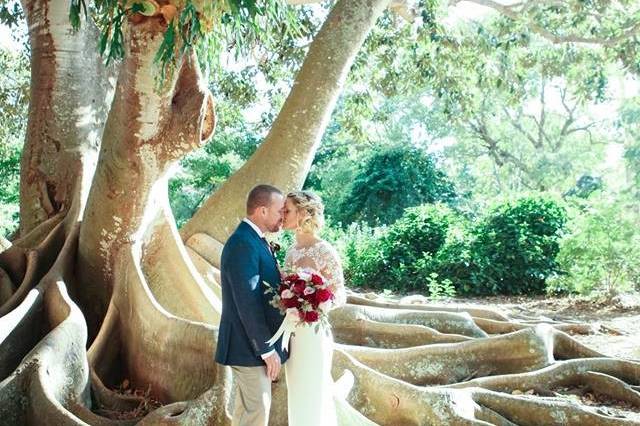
{"x": 148, "y": 129}
{"x": 285, "y": 156}
{"x": 71, "y": 92}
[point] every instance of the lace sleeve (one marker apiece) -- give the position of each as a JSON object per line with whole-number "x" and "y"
{"x": 331, "y": 268}
{"x": 324, "y": 259}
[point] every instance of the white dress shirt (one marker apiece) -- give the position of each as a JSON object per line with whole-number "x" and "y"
{"x": 254, "y": 226}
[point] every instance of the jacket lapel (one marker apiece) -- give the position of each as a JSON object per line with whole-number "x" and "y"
{"x": 259, "y": 240}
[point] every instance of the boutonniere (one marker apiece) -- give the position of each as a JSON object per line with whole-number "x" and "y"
{"x": 275, "y": 247}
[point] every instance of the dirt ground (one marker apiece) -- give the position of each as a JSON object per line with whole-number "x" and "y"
{"x": 616, "y": 320}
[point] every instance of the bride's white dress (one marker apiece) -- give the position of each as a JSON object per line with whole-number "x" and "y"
{"x": 308, "y": 370}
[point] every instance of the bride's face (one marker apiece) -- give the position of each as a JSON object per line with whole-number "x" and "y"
{"x": 290, "y": 215}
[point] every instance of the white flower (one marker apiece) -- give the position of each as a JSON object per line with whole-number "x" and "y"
{"x": 309, "y": 290}
{"x": 304, "y": 275}
{"x": 293, "y": 312}
{"x": 287, "y": 294}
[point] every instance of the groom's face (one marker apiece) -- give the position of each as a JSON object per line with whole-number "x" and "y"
{"x": 273, "y": 213}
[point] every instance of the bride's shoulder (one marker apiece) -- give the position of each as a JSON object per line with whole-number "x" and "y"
{"x": 320, "y": 246}
{"x": 326, "y": 246}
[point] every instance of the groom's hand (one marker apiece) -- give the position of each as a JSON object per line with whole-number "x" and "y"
{"x": 273, "y": 366}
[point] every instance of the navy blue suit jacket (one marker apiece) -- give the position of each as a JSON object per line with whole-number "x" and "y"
{"x": 248, "y": 320}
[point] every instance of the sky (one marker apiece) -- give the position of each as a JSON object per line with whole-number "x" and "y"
{"x": 7, "y": 42}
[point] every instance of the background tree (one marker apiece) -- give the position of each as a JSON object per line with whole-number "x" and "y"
{"x": 14, "y": 102}
{"x": 390, "y": 181}
{"x": 630, "y": 124}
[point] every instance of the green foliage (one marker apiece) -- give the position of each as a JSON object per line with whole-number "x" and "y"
{"x": 460, "y": 65}
{"x": 77, "y": 8}
{"x": 601, "y": 252}
{"x": 585, "y": 186}
{"x": 364, "y": 259}
{"x": 412, "y": 85}
{"x": 166, "y": 55}
{"x": 457, "y": 261}
{"x": 390, "y": 181}
{"x": 9, "y": 194}
{"x": 629, "y": 124}
{"x": 190, "y": 25}
{"x": 440, "y": 289}
{"x": 111, "y": 43}
{"x": 543, "y": 144}
{"x": 398, "y": 257}
{"x": 14, "y": 103}
{"x": 403, "y": 123}
{"x": 11, "y": 13}
{"x": 204, "y": 170}
{"x": 421, "y": 229}
{"x": 510, "y": 250}
{"x": 515, "y": 246}
{"x": 189, "y": 29}
{"x": 239, "y": 94}
{"x": 632, "y": 158}
{"x": 489, "y": 73}
{"x": 213, "y": 28}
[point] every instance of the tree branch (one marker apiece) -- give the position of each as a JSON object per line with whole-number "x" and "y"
{"x": 513, "y": 12}
{"x": 516, "y": 124}
{"x": 542, "y": 135}
{"x": 499, "y": 155}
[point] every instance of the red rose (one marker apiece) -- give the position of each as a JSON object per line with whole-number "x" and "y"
{"x": 290, "y": 303}
{"x": 316, "y": 279}
{"x": 311, "y": 316}
{"x": 299, "y": 287}
{"x": 310, "y": 298}
{"x": 293, "y": 277}
{"x": 322, "y": 295}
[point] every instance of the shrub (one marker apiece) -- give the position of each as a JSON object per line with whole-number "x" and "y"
{"x": 601, "y": 252}
{"x": 397, "y": 256}
{"x": 515, "y": 246}
{"x": 390, "y": 181}
{"x": 456, "y": 262}
{"x": 439, "y": 289}
{"x": 420, "y": 230}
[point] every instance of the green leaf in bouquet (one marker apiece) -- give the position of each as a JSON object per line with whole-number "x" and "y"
{"x": 145, "y": 7}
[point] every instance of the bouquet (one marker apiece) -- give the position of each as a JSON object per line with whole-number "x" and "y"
{"x": 304, "y": 298}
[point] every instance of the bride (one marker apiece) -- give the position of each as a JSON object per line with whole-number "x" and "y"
{"x": 308, "y": 371}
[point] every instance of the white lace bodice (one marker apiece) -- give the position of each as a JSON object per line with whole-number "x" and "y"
{"x": 323, "y": 258}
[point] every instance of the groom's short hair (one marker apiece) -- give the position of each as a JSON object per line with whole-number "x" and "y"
{"x": 260, "y": 196}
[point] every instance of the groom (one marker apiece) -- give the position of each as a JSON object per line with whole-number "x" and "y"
{"x": 248, "y": 320}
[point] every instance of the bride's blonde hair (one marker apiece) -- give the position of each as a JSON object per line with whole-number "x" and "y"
{"x": 311, "y": 204}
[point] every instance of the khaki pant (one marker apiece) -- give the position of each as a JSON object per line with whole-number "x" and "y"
{"x": 253, "y": 396}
